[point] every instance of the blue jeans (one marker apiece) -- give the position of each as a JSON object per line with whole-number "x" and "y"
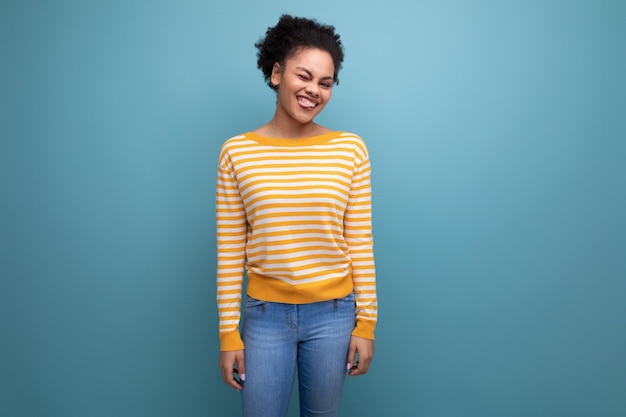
{"x": 282, "y": 338}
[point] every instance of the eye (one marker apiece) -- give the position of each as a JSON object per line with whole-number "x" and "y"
{"x": 303, "y": 77}
{"x": 326, "y": 85}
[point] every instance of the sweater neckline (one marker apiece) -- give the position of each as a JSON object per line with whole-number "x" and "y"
{"x": 310, "y": 140}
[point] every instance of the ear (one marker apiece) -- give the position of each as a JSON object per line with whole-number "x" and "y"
{"x": 277, "y": 73}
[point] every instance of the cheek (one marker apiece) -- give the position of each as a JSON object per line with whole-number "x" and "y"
{"x": 328, "y": 96}
{"x": 283, "y": 97}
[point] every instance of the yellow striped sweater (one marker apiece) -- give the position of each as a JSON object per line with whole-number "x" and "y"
{"x": 296, "y": 215}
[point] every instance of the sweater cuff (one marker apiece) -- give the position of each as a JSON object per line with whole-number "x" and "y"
{"x": 230, "y": 341}
{"x": 364, "y": 329}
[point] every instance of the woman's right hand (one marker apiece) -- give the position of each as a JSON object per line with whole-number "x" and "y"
{"x": 228, "y": 360}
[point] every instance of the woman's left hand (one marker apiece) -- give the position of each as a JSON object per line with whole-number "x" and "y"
{"x": 364, "y": 348}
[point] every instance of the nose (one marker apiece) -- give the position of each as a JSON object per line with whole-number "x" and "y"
{"x": 312, "y": 89}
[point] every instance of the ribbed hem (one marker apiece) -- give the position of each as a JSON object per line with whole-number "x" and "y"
{"x": 364, "y": 329}
{"x": 275, "y": 291}
{"x": 230, "y": 341}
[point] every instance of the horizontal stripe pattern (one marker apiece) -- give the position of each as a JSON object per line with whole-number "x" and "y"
{"x": 296, "y": 214}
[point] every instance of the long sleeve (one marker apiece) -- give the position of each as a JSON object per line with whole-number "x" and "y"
{"x": 358, "y": 235}
{"x": 295, "y": 215}
{"x": 231, "y": 243}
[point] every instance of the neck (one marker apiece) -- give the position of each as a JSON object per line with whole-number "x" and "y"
{"x": 291, "y": 129}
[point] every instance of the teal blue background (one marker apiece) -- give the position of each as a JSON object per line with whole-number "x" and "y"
{"x": 497, "y": 134}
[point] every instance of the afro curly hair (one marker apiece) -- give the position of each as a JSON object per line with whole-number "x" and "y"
{"x": 289, "y": 36}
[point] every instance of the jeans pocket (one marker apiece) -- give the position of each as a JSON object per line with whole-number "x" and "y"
{"x": 253, "y": 302}
{"x": 345, "y": 304}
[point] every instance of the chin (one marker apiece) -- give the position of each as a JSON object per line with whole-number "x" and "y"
{"x": 306, "y": 122}
{"x": 307, "y": 118}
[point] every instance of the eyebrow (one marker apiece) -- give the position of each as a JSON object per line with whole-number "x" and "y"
{"x": 329, "y": 77}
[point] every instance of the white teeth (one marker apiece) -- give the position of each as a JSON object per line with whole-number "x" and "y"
{"x": 304, "y": 102}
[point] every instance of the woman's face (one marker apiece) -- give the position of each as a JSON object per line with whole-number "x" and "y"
{"x": 305, "y": 84}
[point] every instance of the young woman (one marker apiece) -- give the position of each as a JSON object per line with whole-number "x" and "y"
{"x": 293, "y": 210}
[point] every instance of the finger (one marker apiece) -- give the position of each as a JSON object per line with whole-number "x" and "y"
{"x": 363, "y": 364}
{"x": 359, "y": 369}
{"x": 227, "y": 377}
{"x": 234, "y": 384}
{"x": 351, "y": 356}
{"x": 230, "y": 380}
{"x": 356, "y": 370}
{"x": 227, "y": 368}
{"x": 241, "y": 366}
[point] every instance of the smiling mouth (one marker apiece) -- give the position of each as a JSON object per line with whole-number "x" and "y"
{"x": 306, "y": 103}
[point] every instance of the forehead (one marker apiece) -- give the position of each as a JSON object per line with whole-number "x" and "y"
{"x": 318, "y": 61}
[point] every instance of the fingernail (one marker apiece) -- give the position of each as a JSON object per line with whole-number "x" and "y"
{"x": 243, "y": 377}
{"x": 348, "y": 366}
